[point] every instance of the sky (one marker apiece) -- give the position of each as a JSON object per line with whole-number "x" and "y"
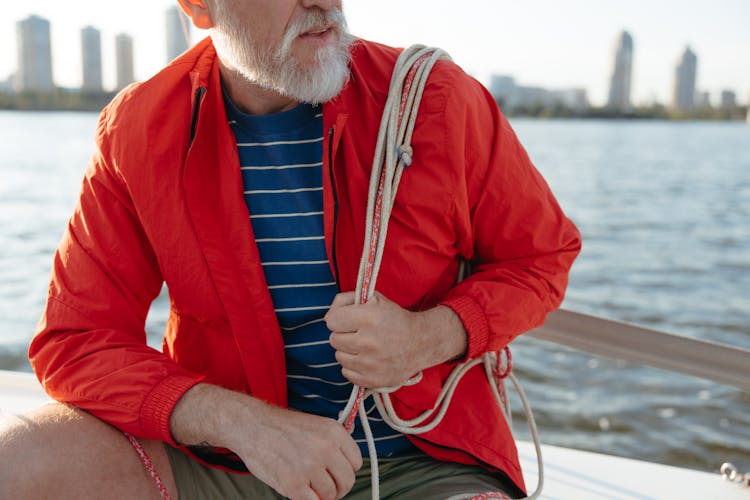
{"x": 550, "y": 43}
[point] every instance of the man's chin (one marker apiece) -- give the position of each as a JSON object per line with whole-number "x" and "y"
{"x": 316, "y": 82}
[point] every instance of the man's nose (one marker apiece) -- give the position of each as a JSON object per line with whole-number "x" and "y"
{"x": 322, "y": 4}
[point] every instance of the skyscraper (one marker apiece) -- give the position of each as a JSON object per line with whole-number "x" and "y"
{"x": 177, "y": 36}
{"x": 124, "y": 56}
{"x": 684, "y": 82}
{"x": 728, "y": 99}
{"x": 34, "y": 55}
{"x": 91, "y": 58}
{"x": 622, "y": 73}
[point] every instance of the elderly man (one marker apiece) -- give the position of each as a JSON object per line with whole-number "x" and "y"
{"x": 238, "y": 176}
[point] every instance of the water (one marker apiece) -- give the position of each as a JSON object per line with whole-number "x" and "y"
{"x": 664, "y": 209}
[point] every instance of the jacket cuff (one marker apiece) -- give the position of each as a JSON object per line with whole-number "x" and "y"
{"x": 158, "y": 405}
{"x": 475, "y": 322}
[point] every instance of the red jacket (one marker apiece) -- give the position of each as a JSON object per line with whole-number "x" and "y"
{"x": 162, "y": 201}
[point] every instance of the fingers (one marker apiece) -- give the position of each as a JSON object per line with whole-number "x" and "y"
{"x": 364, "y": 373}
{"x": 345, "y": 342}
{"x": 333, "y": 480}
{"x": 300, "y": 455}
{"x": 339, "y": 476}
{"x": 346, "y": 315}
{"x": 341, "y": 317}
{"x": 356, "y": 378}
{"x": 351, "y": 452}
{"x": 342, "y": 476}
{"x": 343, "y": 299}
{"x": 324, "y": 485}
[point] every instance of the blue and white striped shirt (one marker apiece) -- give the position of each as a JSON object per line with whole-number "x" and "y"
{"x": 281, "y": 162}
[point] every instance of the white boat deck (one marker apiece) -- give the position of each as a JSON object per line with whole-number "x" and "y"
{"x": 569, "y": 474}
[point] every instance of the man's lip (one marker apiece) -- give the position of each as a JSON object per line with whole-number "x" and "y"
{"x": 318, "y": 30}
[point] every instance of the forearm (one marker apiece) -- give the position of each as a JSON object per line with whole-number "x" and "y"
{"x": 207, "y": 414}
{"x": 443, "y": 334}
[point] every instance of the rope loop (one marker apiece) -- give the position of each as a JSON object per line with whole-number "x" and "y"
{"x": 502, "y": 370}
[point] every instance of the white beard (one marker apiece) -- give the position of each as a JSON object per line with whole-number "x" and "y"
{"x": 276, "y": 68}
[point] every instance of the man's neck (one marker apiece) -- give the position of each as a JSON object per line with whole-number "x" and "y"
{"x": 251, "y": 98}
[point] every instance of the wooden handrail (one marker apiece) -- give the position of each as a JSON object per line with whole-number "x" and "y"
{"x": 613, "y": 339}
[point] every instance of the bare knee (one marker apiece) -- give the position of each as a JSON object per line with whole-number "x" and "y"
{"x": 57, "y": 446}
{"x": 25, "y": 438}
{"x": 35, "y": 446}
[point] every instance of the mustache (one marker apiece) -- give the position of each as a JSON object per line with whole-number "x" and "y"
{"x": 313, "y": 18}
{"x": 318, "y": 17}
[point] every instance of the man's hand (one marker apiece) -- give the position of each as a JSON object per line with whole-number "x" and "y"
{"x": 299, "y": 455}
{"x": 380, "y": 344}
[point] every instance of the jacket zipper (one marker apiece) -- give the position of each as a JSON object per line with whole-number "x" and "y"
{"x": 196, "y": 110}
{"x": 335, "y": 207}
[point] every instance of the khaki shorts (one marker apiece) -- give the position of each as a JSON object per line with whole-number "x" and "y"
{"x": 413, "y": 477}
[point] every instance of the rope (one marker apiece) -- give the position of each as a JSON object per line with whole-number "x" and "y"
{"x": 149, "y": 466}
{"x": 393, "y": 153}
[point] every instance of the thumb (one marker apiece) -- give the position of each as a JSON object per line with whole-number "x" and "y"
{"x": 340, "y": 300}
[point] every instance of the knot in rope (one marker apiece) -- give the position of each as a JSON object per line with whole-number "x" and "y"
{"x": 405, "y": 154}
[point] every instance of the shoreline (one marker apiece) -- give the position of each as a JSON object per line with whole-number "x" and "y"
{"x": 73, "y": 101}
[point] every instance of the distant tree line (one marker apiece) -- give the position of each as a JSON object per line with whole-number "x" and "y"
{"x": 68, "y": 100}
{"x": 652, "y": 112}
{"x": 58, "y": 100}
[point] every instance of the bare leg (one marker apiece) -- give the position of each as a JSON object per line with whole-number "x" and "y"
{"x": 61, "y": 452}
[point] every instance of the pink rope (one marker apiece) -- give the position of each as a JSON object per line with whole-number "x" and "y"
{"x": 149, "y": 466}
{"x": 368, "y": 274}
{"x": 490, "y": 494}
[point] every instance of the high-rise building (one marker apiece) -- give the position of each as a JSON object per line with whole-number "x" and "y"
{"x": 6, "y": 86}
{"x": 703, "y": 99}
{"x": 178, "y": 32}
{"x": 91, "y": 59}
{"x": 124, "y": 57}
{"x": 503, "y": 88}
{"x": 34, "y": 55}
{"x": 622, "y": 73}
{"x": 684, "y": 82}
{"x": 728, "y": 99}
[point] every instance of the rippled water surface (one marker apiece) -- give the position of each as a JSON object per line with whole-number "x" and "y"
{"x": 664, "y": 209}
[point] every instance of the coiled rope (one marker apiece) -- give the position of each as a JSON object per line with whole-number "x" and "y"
{"x": 393, "y": 153}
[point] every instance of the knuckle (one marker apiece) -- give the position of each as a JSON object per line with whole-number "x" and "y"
{"x": 339, "y": 357}
{"x": 293, "y": 490}
{"x": 328, "y": 490}
{"x": 346, "y": 486}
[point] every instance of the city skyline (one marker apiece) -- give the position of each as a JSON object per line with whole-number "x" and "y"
{"x": 545, "y": 52}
